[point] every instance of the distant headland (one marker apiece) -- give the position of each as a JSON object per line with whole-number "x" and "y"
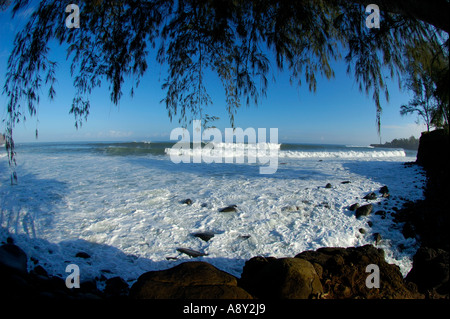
{"x": 411, "y": 143}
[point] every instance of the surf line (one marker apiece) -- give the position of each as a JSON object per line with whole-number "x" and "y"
{"x": 231, "y": 150}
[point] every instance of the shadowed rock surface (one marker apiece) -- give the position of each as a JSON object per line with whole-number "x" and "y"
{"x": 190, "y": 280}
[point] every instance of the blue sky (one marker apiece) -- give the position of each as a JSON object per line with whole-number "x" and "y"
{"x": 337, "y": 113}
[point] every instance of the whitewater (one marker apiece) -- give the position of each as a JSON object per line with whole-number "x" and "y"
{"x": 123, "y": 205}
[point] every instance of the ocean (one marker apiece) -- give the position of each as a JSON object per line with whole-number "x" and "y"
{"x": 123, "y": 204}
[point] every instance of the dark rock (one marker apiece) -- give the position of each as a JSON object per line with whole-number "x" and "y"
{"x": 187, "y": 201}
{"x": 83, "y": 255}
{"x": 345, "y": 182}
{"x": 377, "y": 238}
{"x": 364, "y": 210}
{"x": 362, "y": 230}
{"x": 343, "y": 273}
{"x": 39, "y": 270}
{"x": 171, "y": 258}
{"x": 430, "y": 271}
{"x": 116, "y": 287}
{"x": 370, "y": 196}
{"x": 190, "y": 280}
{"x": 53, "y": 283}
{"x": 229, "y": 209}
{"x": 15, "y": 285}
{"x": 191, "y": 252}
{"x": 408, "y": 230}
{"x": 328, "y": 185}
{"x": 206, "y": 236}
{"x": 384, "y": 190}
{"x": 284, "y": 278}
{"x": 13, "y": 257}
{"x": 354, "y": 207}
{"x": 88, "y": 286}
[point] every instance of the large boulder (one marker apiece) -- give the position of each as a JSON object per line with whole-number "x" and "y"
{"x": 343, "y": 273}
{"x": 190, "y": 280}
{"x": 284, "y": 278}
{"x": 363, "y": 210}
{"x": 14, "y": 277}
{"x": 430, "y": 271}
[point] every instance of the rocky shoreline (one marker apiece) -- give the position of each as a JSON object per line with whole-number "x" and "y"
{"x": 326, "y": 273}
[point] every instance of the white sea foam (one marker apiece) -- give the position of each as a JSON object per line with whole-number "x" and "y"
{"x": 346, "y": 154}
{"x": 127, "y": 212}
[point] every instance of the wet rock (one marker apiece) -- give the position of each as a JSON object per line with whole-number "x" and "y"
{"x": 191, "y": 252}
{"x": 190, "y": 280}
{"x": 187, "y": 201}
{"x": 206, "y": 236}
{"x": 364, "y": 210}
{"x": 370, "y": 196}
{"x": 377, "y": 238}
{"x": 384, "y": 190}
{"x": 343, "y": 273}
{"x": 229, "y": 209}
{"x": 171, "y": 258}
{"x": 284, "y": 278}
